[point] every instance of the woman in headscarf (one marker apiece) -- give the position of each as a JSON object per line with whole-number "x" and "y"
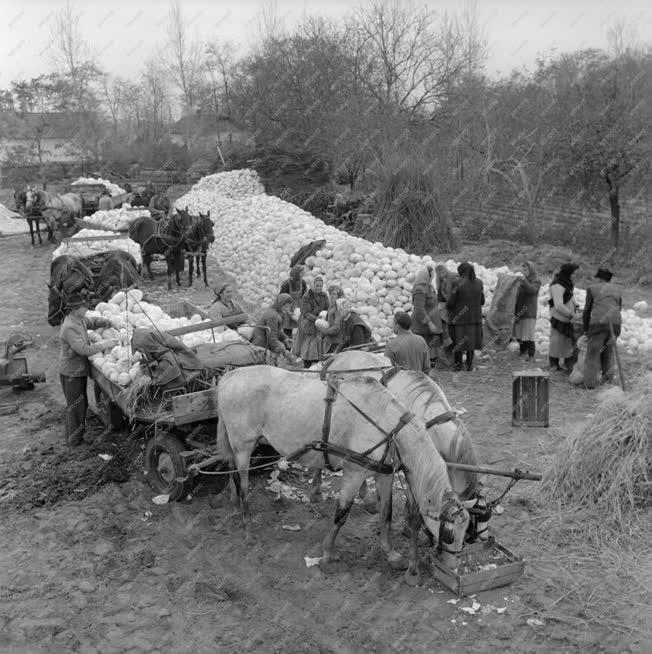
{"x": 426, "y": 320}
{"x": 465, "y": 312}
{"x": 313, "y": 302}
{"x": 562, "y": 311}
{"x": 355, "y": 330}
{"x": 224, "y": 306}
{"x": 525, "y": 310}
{"x": 296, "y": 288}
{"x": 332, "y": 335}
{"x": 268, "y": 332}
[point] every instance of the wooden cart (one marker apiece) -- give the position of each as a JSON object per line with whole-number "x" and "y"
{"x": 91, "y": 194}
{"x": 179, "y": 426}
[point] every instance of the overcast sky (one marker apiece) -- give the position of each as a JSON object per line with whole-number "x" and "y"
{"x": 125, "y": 32}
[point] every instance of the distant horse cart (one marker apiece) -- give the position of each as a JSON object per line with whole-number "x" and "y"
{"x": 57, "y": 211}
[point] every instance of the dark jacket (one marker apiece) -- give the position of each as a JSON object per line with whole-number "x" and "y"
{"x": 424, "y": 309}
{"x": 527, "y": 298}
{"x": 465, "y": 303}
{"x": 268, "y": 332}
{"x": 312, "y": 304}
{"x": 603, "y": 305}
{"x": 355, "y": 331}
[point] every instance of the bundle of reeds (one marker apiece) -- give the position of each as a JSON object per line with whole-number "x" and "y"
{"x": 134, "y": 394}
{"x": 409, "y": 211}
{"x": 604, "y": 467}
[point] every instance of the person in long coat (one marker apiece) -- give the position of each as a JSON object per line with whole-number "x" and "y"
{"x": 563, "y": 344}
{"x": 525, "y": 310}
{"x": 308, "y": 345}
{"x": 601, "y": 316}
{"x": 332, "y": 335}
{"x": 426, "y": 319}
{"x": 268, "y": 332}
{"x": 296, "y": 287}
{"x": 465, "y": 311}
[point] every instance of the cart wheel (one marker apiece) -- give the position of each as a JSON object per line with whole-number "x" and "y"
{"x": 165, "y": 466}
{"x": 108, "y": 412}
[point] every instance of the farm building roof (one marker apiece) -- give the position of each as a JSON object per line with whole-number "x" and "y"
{"x": 16, "y": 125}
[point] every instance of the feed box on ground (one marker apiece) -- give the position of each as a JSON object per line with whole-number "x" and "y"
{"x": 483, "y": 566}
{"x": 530, "y": 398}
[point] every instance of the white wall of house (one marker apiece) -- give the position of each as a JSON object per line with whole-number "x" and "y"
{"x": 53, "y": 150}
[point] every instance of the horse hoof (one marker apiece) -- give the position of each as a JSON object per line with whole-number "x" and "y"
{"x": 412, "y": 578}
{"x": 316, "y": 497}
{"x": 370, "y": 507}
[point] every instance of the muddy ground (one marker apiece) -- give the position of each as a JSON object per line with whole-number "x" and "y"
{"x": 88, "y": 563}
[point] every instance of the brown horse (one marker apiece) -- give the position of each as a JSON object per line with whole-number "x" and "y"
{"x": 117, "y": 270}
{"x": 201, "y": 235}
{"x": 33, "y": 218}
{"x": 167, "y": 237}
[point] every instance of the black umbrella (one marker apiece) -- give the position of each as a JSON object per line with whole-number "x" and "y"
{"x": 306, "y": 251}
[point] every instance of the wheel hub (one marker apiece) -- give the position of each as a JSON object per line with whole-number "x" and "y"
{"x": 165, "y": 468}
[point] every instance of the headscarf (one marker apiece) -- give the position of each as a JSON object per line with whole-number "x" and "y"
{"x": 295, "y": 272}
{"x": 466, "y": 270}
{"x": 344, "y": 305}
{"x": 336, "y": 290}
{"x": 563, "y": 278}
{"x": 531, "y": 272}
{"x": 220, "y": 289}
{"x": 424, "y": 276}
{"x": 281, "y": 300}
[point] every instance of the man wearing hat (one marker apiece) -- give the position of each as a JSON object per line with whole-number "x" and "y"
{"x": 408, "y": 351}
{"x": 73, "y": 363}
{"x": 601, "y": 316}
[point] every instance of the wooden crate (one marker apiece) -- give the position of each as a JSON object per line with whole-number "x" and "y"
{"x": 530, "y": 398}
{"x": 510, "y": 568}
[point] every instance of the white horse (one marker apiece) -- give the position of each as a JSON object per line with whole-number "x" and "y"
{"x": 286, "y": 408}
{"x": 55, "y": 209}
{"x": 423, "y": 396}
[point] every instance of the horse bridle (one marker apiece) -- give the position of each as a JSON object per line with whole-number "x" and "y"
{"x": 449, "y": 511}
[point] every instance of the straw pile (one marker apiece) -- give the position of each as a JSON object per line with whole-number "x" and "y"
{"x": 602, "y": 473}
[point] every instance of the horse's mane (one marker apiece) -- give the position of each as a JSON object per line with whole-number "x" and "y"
{"x": 420, "y": 384}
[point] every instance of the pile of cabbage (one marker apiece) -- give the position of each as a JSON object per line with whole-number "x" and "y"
{"x": 257, "y": 235}
{"x": 117, "y": 220}
{"x": 127, "y": 311}
{"x": 231, "y": 184}
{"x": 112, "y": 188}
{"x": 78, "y": 247}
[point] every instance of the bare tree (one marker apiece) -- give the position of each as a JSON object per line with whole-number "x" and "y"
{"x": 271, "y": 25}
{"x": 73, "y": 57}
{"x": 114, "y": 94}
{"x": 186, "y": 56}
{"x": 408, "y": 58}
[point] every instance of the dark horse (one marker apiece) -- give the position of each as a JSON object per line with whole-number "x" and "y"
{"x": 116, "y": 270}
{"x": 201, "y": 235}
{"x": 167, "y": 237}
{"x": 32, "y": 216}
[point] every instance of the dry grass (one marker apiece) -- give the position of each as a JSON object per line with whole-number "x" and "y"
{"x": 409, "y": 211}
{"x": 603, "y": 469}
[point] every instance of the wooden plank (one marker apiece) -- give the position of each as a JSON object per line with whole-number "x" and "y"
{"x": 194, "y": 407}
{"x": 208, "y": 324}
{"x": 88, "y": 239}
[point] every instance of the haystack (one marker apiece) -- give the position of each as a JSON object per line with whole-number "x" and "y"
{"x": 602, "y": 473}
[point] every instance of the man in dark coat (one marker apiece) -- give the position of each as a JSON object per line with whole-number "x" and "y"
{"x": 601, "y": 315}
{"x": 159, "y": 206}
{"x": 465, "y": 315}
